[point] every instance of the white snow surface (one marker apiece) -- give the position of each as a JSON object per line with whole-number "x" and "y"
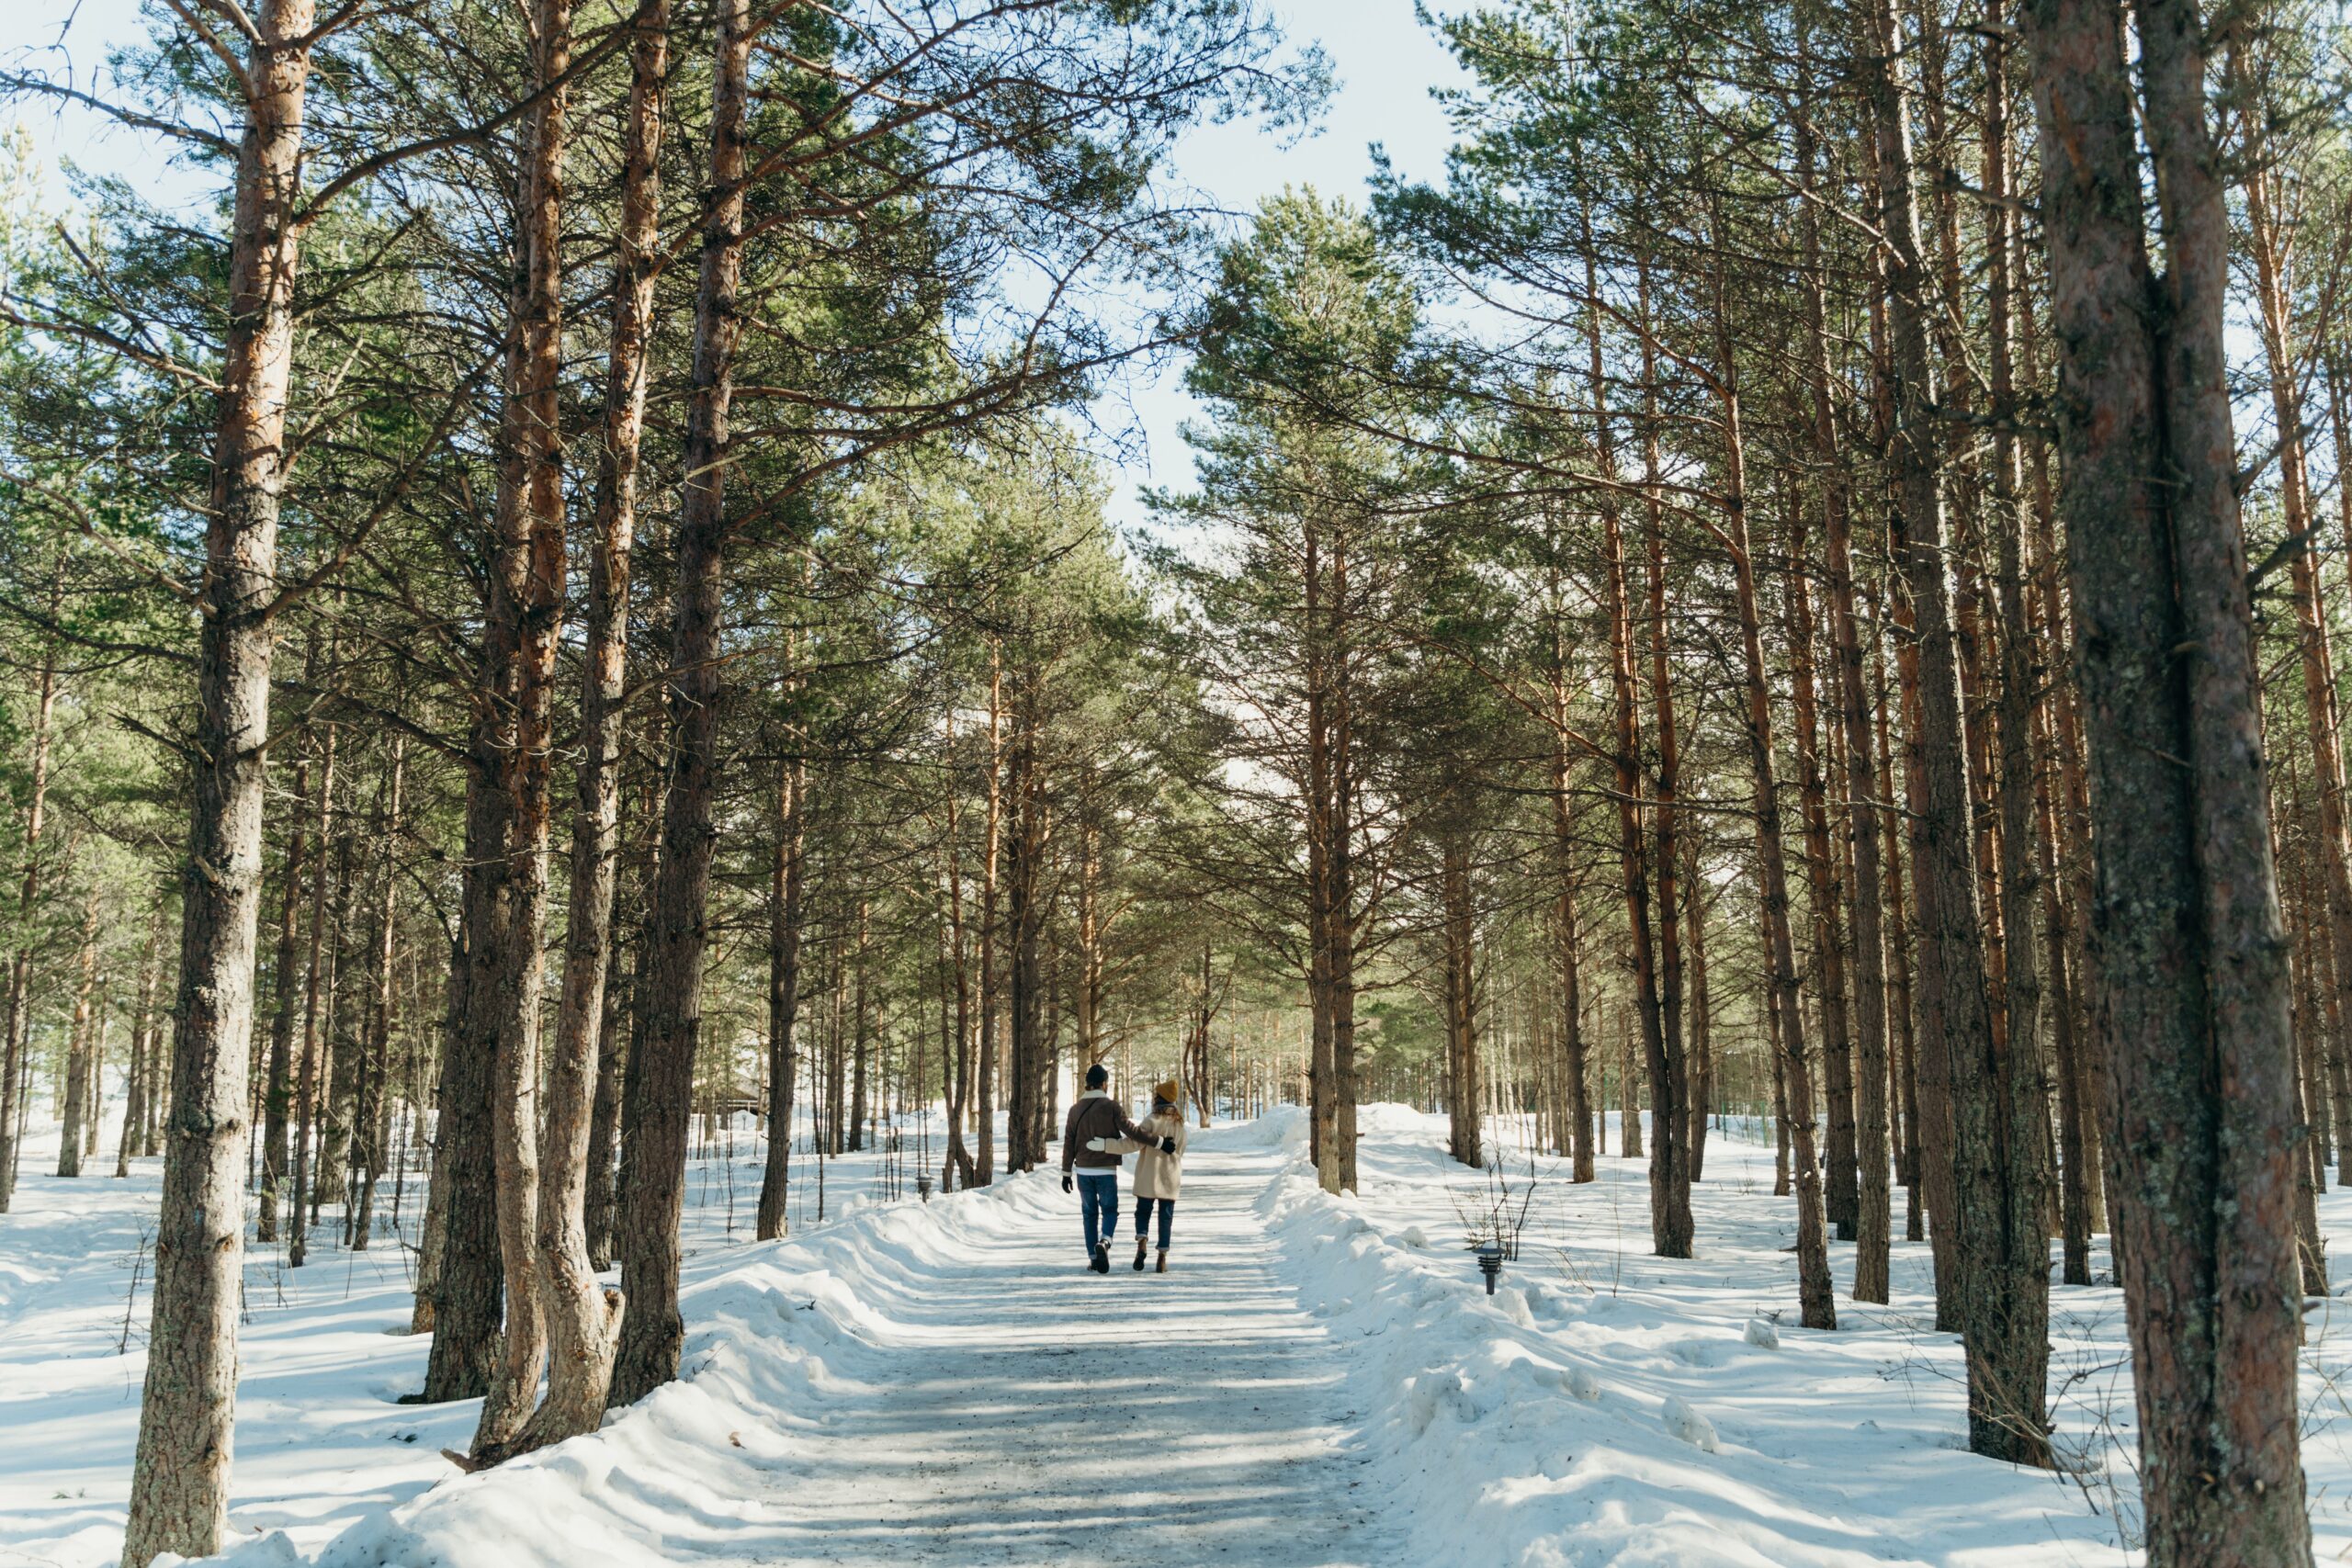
{"x": 1320, "y": 1381}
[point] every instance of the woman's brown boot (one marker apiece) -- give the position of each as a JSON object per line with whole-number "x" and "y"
{"x": 1141, "y": 1246}
{"x": 1163, "y": 1262}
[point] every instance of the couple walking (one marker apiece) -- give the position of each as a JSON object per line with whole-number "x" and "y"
{"x": 1094, "y": 1137}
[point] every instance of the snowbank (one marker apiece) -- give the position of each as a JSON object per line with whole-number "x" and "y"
{"x": 1633, "y": 1417}
{"x": 774, "y": 1344}
{"x": 1283, "y": 1127}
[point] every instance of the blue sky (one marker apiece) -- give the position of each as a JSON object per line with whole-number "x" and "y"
{"x": 1384, "y": 60}
{"x": 1387, "y": 62}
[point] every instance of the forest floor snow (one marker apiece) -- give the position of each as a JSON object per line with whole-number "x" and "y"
{"x": 1320, "y": 1380}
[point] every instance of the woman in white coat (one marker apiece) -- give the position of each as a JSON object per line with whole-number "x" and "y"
{"x": 1160, "y": 1172}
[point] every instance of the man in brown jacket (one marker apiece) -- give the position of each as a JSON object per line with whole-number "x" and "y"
{"x": 1095, "y": 1115}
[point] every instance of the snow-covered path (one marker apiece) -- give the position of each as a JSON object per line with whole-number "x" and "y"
{"x": 1321, "y": 1382}
{"x": 1041, "y": 1414}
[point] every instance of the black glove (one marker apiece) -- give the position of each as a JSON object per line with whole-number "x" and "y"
{"x": 1068, "y": 1185}
{"x": 1167, "y": 1145}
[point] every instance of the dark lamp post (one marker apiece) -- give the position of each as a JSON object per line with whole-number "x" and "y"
{"x": 922, "y": 1187}
{"x": 1490, "y": 1264}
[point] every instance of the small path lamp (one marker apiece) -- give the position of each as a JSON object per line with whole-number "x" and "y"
{"x": 1490, "y": 1263}
{"x": 922, "y": 1187}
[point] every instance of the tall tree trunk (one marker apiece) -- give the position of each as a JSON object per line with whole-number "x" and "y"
{"x": 1840, "y": 1198}
{"x": 2250, "y": 1184}
{"x": 599, "y": 1208}
{"x": 1670, "y": 1223}
{"x": 143, "y": 1026}
{"x": 1340, "y": 866}
{"x": 1680, "y": 1029}
{"x": 984, "y": 1091}
{"x": 1464, "y": 1098}
{"x": 1025, "y": 920}
{"x": 2188, "y": 990}
{"x": 2002, "y": 1306}
{"x": 957, "y": 1065}
{"x": 785, "y": 893}
{"x": 669, "y": 1005}
{"x": 1323, "y": 1141}
{"x": 2021, "y": 1087}
{"x": 15, "y": 1069}
{"x": 307, "y": 1085}
{"x": 1656, "y": 994}
{"x": 2080, "y": 1205}
{"x": 366, "y": 1140}
{"x": 1777, "y": 1048}
{"x": 861, "y": 1033}
{"x": 1817, "y": 1305}
{"x": 1573, "y": 1065}
{"x": 337, "y": 1053}
{"x": 277, "y": 1085}
{"x": 526, "y": 593}
{"x": 134, "y": 1090}
{"x": 581, "y": 1319}
{"x": 1874, "y": 1220}
{"x": 179, "y": 1482}
{"x": 469, "y": 1284}
{"x": 81, "y": 1050}
{"x": 1903, "y": 1054}
{"x": 2332, "y": 843}
{"x": 1700, "y": 1009}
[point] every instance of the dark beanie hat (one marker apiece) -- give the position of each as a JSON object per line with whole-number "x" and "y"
{"x": 1097, "y": 1076}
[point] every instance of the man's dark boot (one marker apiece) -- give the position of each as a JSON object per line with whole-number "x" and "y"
{"x": 1142, "y": 1246}
{"x": 1163, "y": 1262}
{"x": 1102, "y": 1264}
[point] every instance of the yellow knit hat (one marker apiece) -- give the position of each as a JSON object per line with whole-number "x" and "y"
{"x": 1166, "y": 1093}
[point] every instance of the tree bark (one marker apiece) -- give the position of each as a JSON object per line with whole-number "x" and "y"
{"x": 1874, "y": 1220}
{"x": 1465, "y": 1102}
{"x": 984, "y": 1091}
{"x": 582, "y": 1319}
{"x": 2002, "y": 1305}
{"x": 1817, "y": 1305}
{"x": 784, "y": 893}
{"x": 2188, "y": 989}
{"x": 278, "y": 1086}
{"x": 526, "y": 609}
{"x": 1024, "y": 922}
{"x": 366, "y": 1140}
{"x": 1573, "y": 1064}
{"x": 186, "y": 1422}
{"x": 468, "y": 1288}
{"x": 1658, "y": 1002}
{"x": 2332, "y": 843}
{"x": 669, "y": 1004}
{"x": 2249, "y": 1186}
{"x": 1700, "y": 1011}
{"x": 1840, "y": 1197}
{"x": 14, "y": 1068}
{"x": 2021, "y": 1083}
{"x": 599, "y": 1207}
{"x": 957, "y": 1065}
{"x": 1323, "y": 1142}
{"x": 81, "y": 1052}
{"x": 314, "y": 983}
{"x": 142, "y": 1021}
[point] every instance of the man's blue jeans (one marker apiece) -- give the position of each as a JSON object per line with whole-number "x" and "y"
{"x": 1097, "y": 1195}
